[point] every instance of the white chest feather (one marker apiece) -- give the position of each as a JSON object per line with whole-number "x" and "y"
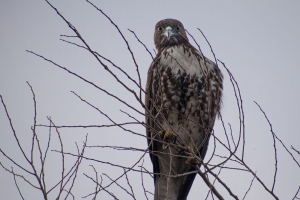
{"x": 180, "y": 58}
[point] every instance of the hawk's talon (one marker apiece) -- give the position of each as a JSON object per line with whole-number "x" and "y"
{"x": 188, "y": 161}
{"x": 191, "y": 159}
{"x": 168, "y": 136}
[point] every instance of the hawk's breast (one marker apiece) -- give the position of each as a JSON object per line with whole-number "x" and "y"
{"x": 185, "y": 59}
{"x": 186, "y": 88}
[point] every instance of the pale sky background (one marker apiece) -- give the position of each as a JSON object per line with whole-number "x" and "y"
{"x": 258, "y": 40}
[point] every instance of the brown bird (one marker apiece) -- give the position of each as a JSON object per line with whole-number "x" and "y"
{"x": 183, "y": 98}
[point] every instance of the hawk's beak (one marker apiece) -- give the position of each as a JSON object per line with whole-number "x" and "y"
{"x": 168, "y": 32}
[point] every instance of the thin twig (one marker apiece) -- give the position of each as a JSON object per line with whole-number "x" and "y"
{"x": 274, "y": 145}
{"x": 142, "y": 43}
{"x": 128, "y": 47}
{"x": 249, "y": 187}
{"x": 212, "y": 188}
{"x": 17, "y": 183}
{"x": 127, "y": 179}
{"x": 295, "y": 150}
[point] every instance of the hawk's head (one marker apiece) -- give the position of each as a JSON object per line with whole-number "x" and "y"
{"x": 169, "y": 32}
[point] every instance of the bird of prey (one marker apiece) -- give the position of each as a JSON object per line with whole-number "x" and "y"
{"x": 183, "y": 98}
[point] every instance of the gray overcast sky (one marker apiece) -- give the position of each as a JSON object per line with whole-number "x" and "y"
{"x": 258, "y": 40}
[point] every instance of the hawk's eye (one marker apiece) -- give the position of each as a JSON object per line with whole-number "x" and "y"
{"x": 177, "y": 28}
{"x": 159, "y": 28}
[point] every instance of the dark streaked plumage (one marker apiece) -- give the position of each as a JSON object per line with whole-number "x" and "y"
{"x": 184, "y": 91}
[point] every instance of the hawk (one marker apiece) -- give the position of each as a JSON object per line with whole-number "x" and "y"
{"x": 183, "y": 98}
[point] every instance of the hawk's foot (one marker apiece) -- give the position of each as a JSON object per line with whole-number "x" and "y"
{"x": 191, "y": 159}
{"x": 188, "y": 161}
{"x": 168, "y": 136}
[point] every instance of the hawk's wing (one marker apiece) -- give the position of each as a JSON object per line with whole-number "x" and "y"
{"x": 150, "y": 121}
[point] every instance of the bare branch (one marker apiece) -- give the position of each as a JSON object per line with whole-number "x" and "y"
{"x": 20, "y": 176}
{"x": 133, "y": 196}
{"x": 274, "y": 145}
{"x": 110, "y": 193}
{"x": 15, "y": 135}
{"x": 211, "y": 187}
{"x": 295, "y": 150}
{"x": 90, "y": 126}
{"x": 249, "y": 187}
{"x": 127, "y": 44}
{"x": 142, "y": 179}
{"x": 295, "y": 196}
{"x": 17, "y": 184}
{"x": 142, "y": 43}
